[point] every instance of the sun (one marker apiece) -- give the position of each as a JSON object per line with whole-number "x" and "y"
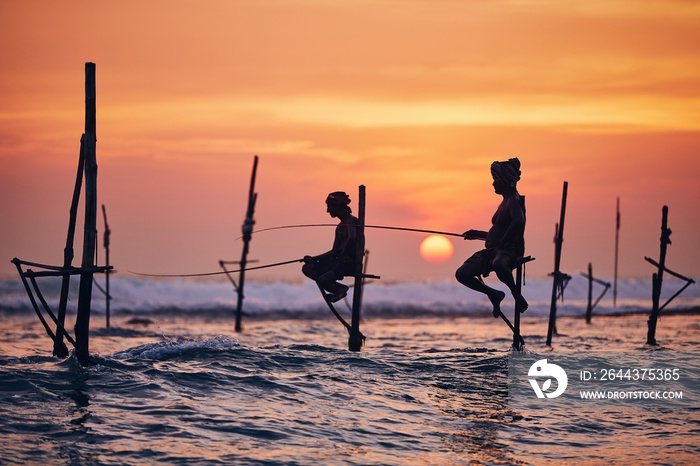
{"x": 436, "y": 248}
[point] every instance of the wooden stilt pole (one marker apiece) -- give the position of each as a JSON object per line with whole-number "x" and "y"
{"x": 108, "y": 297}
{"x": 617, "y": 249}
{"x": 59, "y": 349}
{"x": 87, "y": 168}
{"x": 559, "y": 239}
{"x": 53, "y": 337}
{"x": 518, "y": 343}
{"x": 247, "y": 236}
{"x": 657, "y": 278}
{"x": 356, "y": 339}
{"x": 82, "y": 323}
{"x": 592, "y": 304}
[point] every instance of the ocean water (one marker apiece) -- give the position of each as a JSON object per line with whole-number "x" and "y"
{"x": 172, "y": 383}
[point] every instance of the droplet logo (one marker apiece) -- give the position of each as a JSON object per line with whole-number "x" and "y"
{"x": 541, "y": 369}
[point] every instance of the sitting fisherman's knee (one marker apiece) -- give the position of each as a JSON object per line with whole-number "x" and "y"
{"x": 463, "y": 274}
{"x": 308, "y": 270}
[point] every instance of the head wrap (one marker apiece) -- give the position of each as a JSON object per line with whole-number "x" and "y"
{"x": 339, "y": 198}
{"x": 506, "y": 173}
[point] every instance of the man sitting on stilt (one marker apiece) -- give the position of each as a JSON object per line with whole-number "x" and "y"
{"x": 327, "y": 268}
{"x": 505, "y": 243}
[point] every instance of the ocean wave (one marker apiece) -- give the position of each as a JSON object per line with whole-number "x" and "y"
{"x": 170, "y": 348}
{"x": 298, "y": 300}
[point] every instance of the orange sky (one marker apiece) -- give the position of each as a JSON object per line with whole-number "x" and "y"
{"x": 413, "y": 99}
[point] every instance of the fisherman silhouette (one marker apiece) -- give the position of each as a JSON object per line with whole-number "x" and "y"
{"x": 327, "y": 268}
{"x": 505, "y": 243}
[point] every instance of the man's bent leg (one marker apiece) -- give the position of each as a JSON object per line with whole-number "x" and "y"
{"x": 504, "y": 272}
{"x": 467, "y": 275}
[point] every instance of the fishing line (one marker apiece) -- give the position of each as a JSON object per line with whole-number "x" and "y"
{"x": 216, "y": 273}
{"x": 283, "y": 227}
{"x": 379, "y": 227}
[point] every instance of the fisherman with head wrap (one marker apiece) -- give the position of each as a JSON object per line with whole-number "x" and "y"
{"x": 327, "y": 268}
{"x": 505, "y": 243}
{"x": 506, "y": 173}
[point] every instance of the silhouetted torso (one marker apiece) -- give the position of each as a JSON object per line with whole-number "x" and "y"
{"x": 506, "y": 232}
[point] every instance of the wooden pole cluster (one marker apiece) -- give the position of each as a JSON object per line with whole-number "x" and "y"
{"x": 591, "y": 305}
{"x": 558, "y": 282}
{"x": 87, "y": 169}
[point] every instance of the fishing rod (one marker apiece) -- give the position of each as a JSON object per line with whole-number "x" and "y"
{"x": 216, "y": 273}
{"x": 379, "y": 227}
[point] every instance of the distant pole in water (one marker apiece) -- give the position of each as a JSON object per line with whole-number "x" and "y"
{"x": 247, "y": 236}
{"x": 108, "y": 297}
{"x": 82, "y": 322}
{"x": 657, "y": 278}
{"x": 558, "y": 276}
{"x": 617, "y": 243}
{"x": 356, "y": 340}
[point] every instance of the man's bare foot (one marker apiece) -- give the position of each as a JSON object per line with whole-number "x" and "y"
{"x": 520, "y": 304}
{"x": 496, "y": 299}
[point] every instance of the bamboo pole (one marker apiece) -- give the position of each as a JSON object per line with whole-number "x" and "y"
{"x": 82, "y": 323}
{"x": 559, "y": 239}
{"x": 23, "y": 277}
{"x": 61, "y": 272}
{"x": 247, "y": 236}
{"x": 657, "y": 278}
{"x": 592, "y": 304}
{"x": 59, "y": 328}
{"x": 518, "y": 342}
{"x": 356, "y": 339}
{"x": 108, "y": 297}
{"x": 688, "y": 282}
{"x": 59, "y": 349}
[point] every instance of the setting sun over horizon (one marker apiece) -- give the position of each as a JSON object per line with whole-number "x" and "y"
{"x": 436, "y": 248}
{"x": 412, "y": 99}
